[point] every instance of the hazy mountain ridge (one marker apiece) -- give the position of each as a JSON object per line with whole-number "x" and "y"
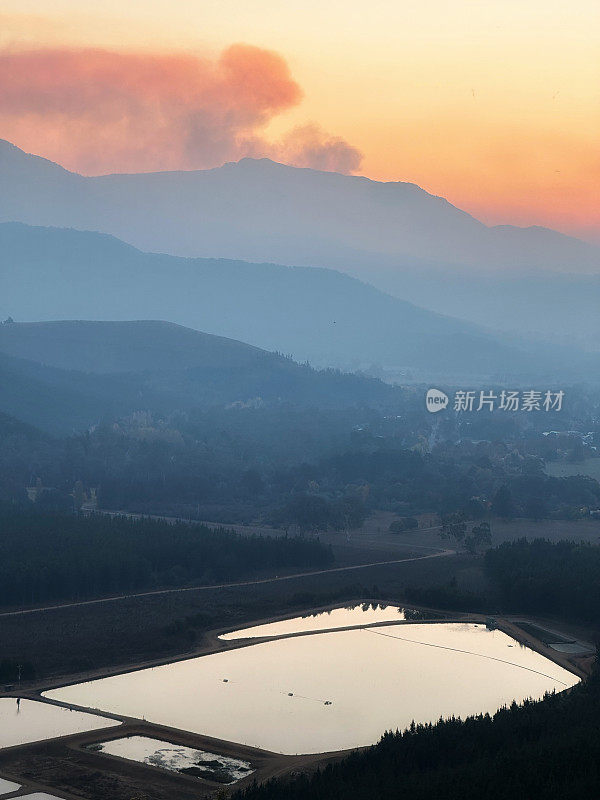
{"x": 319, "y": 314}
{"x": 553, "y": 306}
{"x": 259, "y": 210}
{"x": 394, "y": 235}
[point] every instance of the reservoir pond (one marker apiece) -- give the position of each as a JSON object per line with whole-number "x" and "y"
{"x": 330, "y": 691}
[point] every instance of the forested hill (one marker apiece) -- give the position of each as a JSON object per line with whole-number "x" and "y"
{"x": 72, "y": 375}
{"x": 132, "y": 346}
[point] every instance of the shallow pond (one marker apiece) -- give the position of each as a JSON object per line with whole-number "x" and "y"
{"x": 177, "y": 758}
{"x": 365, "y": 614}
{"x": 7, "y": 787}
{"x": 32, "y": 721}
{"x": 39, "y": 796}
{"x": 330, "y": 691}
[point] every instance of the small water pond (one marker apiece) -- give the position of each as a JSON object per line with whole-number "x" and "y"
{"x": 176, "y": 758}
{"x": 7, "y": 787}
{"x": 32, "y": 721}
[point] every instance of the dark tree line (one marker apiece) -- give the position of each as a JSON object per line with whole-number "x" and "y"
{"x": 46, "y": 557}
{"x": 561, "y": 578}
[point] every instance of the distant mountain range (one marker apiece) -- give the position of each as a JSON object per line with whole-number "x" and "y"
{"x": 259, "y": 210}
{"x": 394, "y": 235}
{"x": 316, "y": 314}
{"x": 67, "y": 376}
{"x": 553, "y": 306}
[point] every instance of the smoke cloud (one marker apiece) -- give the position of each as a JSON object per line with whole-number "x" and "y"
{"x": 96, "y": 111}
{"x": 309, "y": 146}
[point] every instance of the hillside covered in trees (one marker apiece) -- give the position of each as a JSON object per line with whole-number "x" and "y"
{"x": 81, "y": 376}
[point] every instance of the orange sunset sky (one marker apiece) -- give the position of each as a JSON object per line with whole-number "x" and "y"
{"x": 493, "y": 104}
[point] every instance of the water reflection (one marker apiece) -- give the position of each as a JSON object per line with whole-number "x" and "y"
{"x": 8, "y": 787}
{"x": 331, "y": 691}
{"x": 177, "y": 758}
{"x": 365, "y": 614}
{"x": 39, "y": 796}
{"x": 27, "y": 721}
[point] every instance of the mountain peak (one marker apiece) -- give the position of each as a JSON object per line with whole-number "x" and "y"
{"x": 14, "y": 158}
{"x": 264, "y": 161}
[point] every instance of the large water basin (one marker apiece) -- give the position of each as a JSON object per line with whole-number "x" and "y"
{"x": 32, "y": 721}
{"x": 331, "y": 691}
{"x": 366, "y": 614}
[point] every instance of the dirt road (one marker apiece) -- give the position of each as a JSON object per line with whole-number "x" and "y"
{"x": 206, "y": 587}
